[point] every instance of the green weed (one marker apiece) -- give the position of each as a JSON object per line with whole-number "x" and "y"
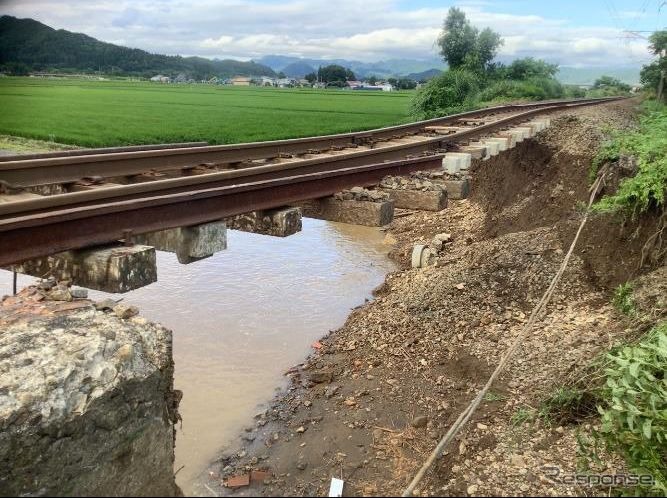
{"x": 633, "y": 407}
{"x": 623, "y": 300}
{"x": 521, "y": 416}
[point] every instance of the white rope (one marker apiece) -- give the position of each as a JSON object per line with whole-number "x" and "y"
{"x": 474, "y": 404}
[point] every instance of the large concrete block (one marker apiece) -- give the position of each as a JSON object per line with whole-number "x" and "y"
{"x": 528, "y": 131}
{"x": 189, "y": 243}
{"x": 455, "y": 162}
{"x": 87, "y": 405}
{"x": 504, "y": 143}
{"x": 426, "y": 200}
{"x": 492, "y": 146}
{"x": 281, "y": 222}
{"x": 110, "y": 268}
{"x": 372, "y": 214}
{"x": 457, "y": 189}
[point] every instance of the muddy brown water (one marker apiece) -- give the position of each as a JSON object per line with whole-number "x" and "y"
{"x": 244, "y": 316}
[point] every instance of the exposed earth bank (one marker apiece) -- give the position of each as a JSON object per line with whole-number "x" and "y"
{"x": 375, "y": 397}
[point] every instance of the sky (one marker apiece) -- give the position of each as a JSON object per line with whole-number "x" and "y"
{"x": 579, "y": 33}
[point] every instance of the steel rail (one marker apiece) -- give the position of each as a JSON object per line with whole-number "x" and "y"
{"x": 41, "y": 171}
{"x": 264, "y": 172}
{"x": 103, "y": 150}
{"x": 33, "y": 236}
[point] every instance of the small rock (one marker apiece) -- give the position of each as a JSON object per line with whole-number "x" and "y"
{"x": 301, "y": 430}
{"x": 301, "y": 465}
{"x": 124, "y": 311}
{"x": 321, "y": 377}
{"x": 60, "y": 293}
{"x": 331, "y": 390}
{"x": 444, "y": 237}
{"x": 419, "y": 421}
{"x": 48, "y": 284}
{"x": 472, "y": 489}
{"x": 107, "y": 304}
{"x": 517, "y": 461}
{"x": 79, "y": 293}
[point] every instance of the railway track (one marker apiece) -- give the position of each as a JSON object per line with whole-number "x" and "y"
{"x": 105, "y": 194}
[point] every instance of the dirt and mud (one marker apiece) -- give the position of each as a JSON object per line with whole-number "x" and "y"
{"x": 374, "y": 398}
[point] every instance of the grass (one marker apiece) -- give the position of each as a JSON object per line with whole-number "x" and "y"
{"x": 623, "y": 300}
{"x": 520, "y": 417}
{"x": 109, "y": 113}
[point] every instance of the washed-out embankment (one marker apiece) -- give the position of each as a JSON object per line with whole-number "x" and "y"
{"x": 371, "y": 403}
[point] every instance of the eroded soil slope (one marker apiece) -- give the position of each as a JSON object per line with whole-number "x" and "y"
{"x": 372, "y": 402}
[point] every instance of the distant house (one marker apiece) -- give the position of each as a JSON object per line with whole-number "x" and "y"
{"x": 181, "y": 78}
{"x": 241, "y": 81}
{"x": 161, "y": 79}
{"x": 266, "y": 81}
{"x": 354, "y": 84}
{"x": 286, "y": 82}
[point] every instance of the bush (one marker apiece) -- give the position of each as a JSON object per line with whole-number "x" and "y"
{"x": 634, "y": 406}
{"x": 531, "y": 89}
{"x": 648, "y": 145}
{"x": 451, "y": 92}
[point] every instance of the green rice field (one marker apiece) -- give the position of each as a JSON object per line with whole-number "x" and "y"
{"x": 108, "y": 113}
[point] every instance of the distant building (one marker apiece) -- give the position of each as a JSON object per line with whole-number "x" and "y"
{"x": 161, "y": 79}
{"x": 381, "y": 87}
{"x": 354, "y": 84}
{"x": 181, "y": 78}
{"x": 286, "y": 83}
{"x": 241, "y": 81}
{"x": 267, "y": 81}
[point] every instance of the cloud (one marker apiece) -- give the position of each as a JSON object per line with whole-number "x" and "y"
{"x": 368, "y": 30}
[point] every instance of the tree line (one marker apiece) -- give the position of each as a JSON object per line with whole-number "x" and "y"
{"x": 474, "y": 76}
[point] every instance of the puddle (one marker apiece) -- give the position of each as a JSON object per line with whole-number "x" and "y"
{"x": 244, "y": 316}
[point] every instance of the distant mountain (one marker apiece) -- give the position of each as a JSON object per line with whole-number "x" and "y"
{"x": 381, "y": 69}
{"x": 298, "y": 69}
{"x": 588, "y": 75}
{"x": 424, "y": 75}
{"x": 29, "y": 45}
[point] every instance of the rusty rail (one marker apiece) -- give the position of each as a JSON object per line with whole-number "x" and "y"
{"x": 35, "y": 235}
{"x": 70, "y": 168}
{"x": 49, "y": 224}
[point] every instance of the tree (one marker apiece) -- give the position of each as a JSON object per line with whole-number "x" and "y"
{"x": 462, "y": 45}
{"x": 612, "y": 83}
{"x": 281, "y": 75}
{"x": 334, "y": 74}
{"x": 457, "y": 38}
{"x": 311, "y": 77}
{"x": 406, "y": 84}
{"x": 521, "y": 69}
{"x": 372, "y": 80}
{"x": 659, "y": 47}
